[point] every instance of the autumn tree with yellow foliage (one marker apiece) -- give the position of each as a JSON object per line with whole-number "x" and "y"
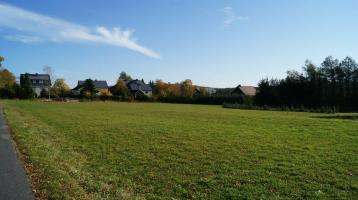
{"x": 8, "y": 85}
{"x": 60, "y": 88}
{"x": 7, "y": 79}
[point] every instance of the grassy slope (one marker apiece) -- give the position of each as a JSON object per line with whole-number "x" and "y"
{"x": 132, "y": 150}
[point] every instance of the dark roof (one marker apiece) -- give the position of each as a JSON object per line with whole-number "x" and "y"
{"x": 37, "y": 76}
{"x": 136, "y": 85}
{"x": 97, "y": 84}
{"x": 37, "y": 79}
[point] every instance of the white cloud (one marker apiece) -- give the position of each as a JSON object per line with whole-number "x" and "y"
{"x": 33, "y": 27}
{"x": 231, "y": 17}
{"x": 23, "y": 38}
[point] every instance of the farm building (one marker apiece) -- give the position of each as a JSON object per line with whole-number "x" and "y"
{"x": 245, "y": 90}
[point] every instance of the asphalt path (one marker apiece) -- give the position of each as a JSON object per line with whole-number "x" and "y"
{"x": 14, "y": 183}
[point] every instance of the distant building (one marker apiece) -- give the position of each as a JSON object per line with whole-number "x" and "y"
{"x": 38, "y": 82}
{"x": 207, "y": 90}
{"x": 100, "y": 86}
{"x": 138, "y": 88}
{"x": 245, "y": 90}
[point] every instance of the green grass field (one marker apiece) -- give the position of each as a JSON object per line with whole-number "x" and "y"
{"x": 168, "y": 151}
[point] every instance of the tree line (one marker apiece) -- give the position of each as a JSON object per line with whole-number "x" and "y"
{"x": 188, "y": 93}
{"x": 332, "y": 84}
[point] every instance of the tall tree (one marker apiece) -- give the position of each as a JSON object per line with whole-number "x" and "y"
{"x": 263, "y": 93}
{"x": 151, "y": 83}
{"x": 121, "y": 89}
{"x": 2, "y": 59}
{"x": 312, "y": 87}
{"x": 88, "y": 89}
{"x": 354, "y": 97}
{"x": 159, "y": 88}
{"x": 187, "y": 88}
{"x": 329, "y": 66}
{"x": 25, "y": 87}
{"x": 50, "y": 71}
{"x": 124, "y": 76}
{"x": 7, "y": 84}
{"x": 329, "y": 69}
{"x": 173, "y": 89}
{"x": 7, "y": 79}
{"x": 348, "y": 66}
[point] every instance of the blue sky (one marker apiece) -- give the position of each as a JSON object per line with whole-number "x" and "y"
{"x": 219, "y": 43}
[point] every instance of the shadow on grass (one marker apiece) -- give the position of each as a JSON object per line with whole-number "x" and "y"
{"x": 344, "y": 117}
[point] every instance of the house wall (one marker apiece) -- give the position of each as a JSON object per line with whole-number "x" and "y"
{"x": 76, "y": 92}
{"x": 38, "y": 89}
{"x": 148, "y": 93}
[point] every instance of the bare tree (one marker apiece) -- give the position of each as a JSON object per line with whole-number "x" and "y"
{"x": 48, "y": 70}
{"x": 1, "y": 61}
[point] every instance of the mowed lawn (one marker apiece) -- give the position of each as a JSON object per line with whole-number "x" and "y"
{"x": 108, "y": 150}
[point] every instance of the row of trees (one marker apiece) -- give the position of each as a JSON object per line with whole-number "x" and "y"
{"x": 160, "y": 88}
{"x": 186, "y": 92}
{"x": 182, "y": 89}
{"x": 334, "y": 84}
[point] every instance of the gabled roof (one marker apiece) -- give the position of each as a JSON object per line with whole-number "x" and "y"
{"x": 37, "y": 76}
{"x": 97, "y": 84}
{"x": 245, "y": 90}
{"x": 37, "y": 80}
{"x": 136, "y": 85}
{"x": 248, "y": 90}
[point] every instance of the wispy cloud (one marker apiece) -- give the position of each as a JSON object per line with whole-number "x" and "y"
{"x": 231, "y": 17}
{"x": 31, "y": 27}
{"x": 23, "y": 38}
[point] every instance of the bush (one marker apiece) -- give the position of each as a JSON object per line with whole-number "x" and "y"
{"x": 44, "y": 93}
{"x": 323, "y": 109}
{"x": 8, "y": 92}
{"x": 105, "y": 95}
{"x": 209, "y": 100}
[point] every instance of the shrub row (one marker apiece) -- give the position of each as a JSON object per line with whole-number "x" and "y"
{"x": 208, "y": 100}
{"x": 323, "y": 109}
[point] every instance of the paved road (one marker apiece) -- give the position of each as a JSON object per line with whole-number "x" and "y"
{"x": 13, "y": 181}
